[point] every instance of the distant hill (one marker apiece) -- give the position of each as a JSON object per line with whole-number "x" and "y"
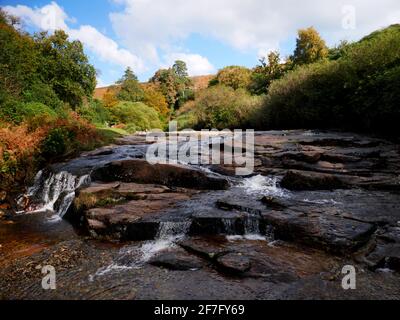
{"x": 199, "y": 82}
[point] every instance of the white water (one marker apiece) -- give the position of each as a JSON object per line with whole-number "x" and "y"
{"x": 251, "y": 230}
{"x": 266, "y": 186}
{"x": 168, "y": 234}
{"x": 330, "y": 201}
{"x": 59, "y": 186}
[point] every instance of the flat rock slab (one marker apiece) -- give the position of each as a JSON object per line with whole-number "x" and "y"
{"x": 127, "y": 211}
{"x": 280, "y": 262}
{"x": 234, "y": 263}
{"x": 304, "y": 180}
{"x": 141, "y": 171}
{"x": 209, "y": 248}
{"x": 318, "y": 229}
{"x": 176, "y": 260}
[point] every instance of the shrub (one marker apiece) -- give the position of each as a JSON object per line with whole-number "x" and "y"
{"x": 222, "y": 107}
{"x": 18, "y": 145}
{"x": 33, "y": 109}
{"x": 135, "y": 114}
{"x": 56, "y": 142}
{"x": 95, "y": 113}
{"x": 40, "y": 92}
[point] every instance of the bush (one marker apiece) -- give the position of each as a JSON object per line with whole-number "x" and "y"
{"x": 33, "y": 109}
{"x": 40, "y": 92}
{"x": 135, "y": 115}
{"x": 18, "y": 145}
{"x": 222, "y": 107}
{"x": 10, "y": 110}
{"x": 95, "y": 112}
{"x": 56, "y": 142}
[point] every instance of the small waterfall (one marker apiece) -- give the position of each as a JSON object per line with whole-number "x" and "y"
{"x": 251, "y": 225}
{"x": 229, "y": 226}
{"x": 270, "y": 233}
{"x": 134, "y": 257}
{"x": 176, "y": 230}
{"x": 53, "y": 192}
{"x": 252, "y": 231}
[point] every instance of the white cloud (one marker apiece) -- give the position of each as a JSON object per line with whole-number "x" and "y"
{"x": 49, "y": 17}
{"x": 52, "y": 17}
{"x": 197, "y": 65}
{"x": 153, "y": 31}
{"x": 106, "y": 48}
{"x": 146, "y": 26}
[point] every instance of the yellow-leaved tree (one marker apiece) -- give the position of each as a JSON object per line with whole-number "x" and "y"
{"x": 310, "y": 47}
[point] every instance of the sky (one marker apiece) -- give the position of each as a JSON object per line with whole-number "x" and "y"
{"x": 207, "y": 34}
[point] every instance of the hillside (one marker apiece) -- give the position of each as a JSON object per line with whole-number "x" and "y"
{"x": 199, "y": 82}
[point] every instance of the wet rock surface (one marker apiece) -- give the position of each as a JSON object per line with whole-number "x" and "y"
{"x": 318, "y": 201}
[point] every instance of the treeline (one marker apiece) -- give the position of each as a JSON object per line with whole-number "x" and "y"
{"x": 354, "y": 86}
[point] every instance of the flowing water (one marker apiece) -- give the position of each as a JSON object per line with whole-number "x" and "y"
{"x": 134, "y": 257}
{"x": 267, "y": 186}
{"x": 54, "y": 190}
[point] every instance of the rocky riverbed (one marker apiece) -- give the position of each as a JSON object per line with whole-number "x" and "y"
{"x": 115, "y": 227}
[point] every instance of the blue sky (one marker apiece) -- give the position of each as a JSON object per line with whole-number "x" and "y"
{"x": 209, "y": 34}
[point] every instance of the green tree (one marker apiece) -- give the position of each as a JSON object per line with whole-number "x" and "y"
{"x": 18, "y": 61}
{"x": 175, "y": 84}
{"x": 310, "y": 47}
{"x": 180, "y": 69}
{"x": 165, "y": 80}
{"x": 268, "y": 71}
{"x": 130, "y": 89}
{"x": 65, "y": 67}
